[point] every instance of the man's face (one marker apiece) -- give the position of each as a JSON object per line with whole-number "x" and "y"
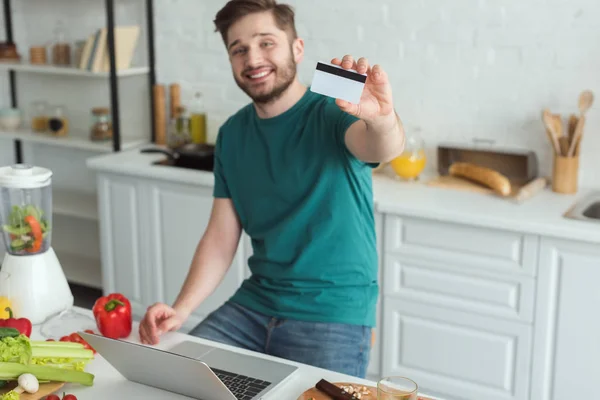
{"x": 262, "y": 58}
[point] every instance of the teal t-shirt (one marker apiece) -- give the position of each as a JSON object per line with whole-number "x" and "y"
{"x": 307, "y": 204}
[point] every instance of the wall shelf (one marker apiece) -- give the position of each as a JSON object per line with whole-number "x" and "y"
{"x": 68, "y": 71}
{"x": 72, "y": 141}
{"x": 112, "y": 76}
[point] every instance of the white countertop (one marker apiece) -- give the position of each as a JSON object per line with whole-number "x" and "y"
{"x": 134, "y": 163}
{"x": 542, "y": 214}
{"x": 110, "y": 384}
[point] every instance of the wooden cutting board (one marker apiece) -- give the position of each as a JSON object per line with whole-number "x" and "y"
{"x": 45, "y": 390}
{"x": 520, "y": 192}
{"x": 316, "y": 394}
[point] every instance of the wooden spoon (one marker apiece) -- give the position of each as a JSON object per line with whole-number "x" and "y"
{"x": 558, "y": 125}
{"x": 572, "y": 126}
{"x": 577, "y": 136}
{"x": 549, "y": 123}
{"x": 586, "y": 99}
{"x": 563, "y": 142}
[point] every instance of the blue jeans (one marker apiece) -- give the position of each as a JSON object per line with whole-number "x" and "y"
{"x": 333, "y": 346}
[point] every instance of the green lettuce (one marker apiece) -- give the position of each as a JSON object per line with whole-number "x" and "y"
{"x": 12, "y": 395}
{"x": 15, "y": 349}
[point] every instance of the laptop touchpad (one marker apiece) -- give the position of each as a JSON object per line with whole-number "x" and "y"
{"x": 191, "y": 349}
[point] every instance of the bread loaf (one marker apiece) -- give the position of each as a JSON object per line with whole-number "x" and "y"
{"x": 482, "y": 175}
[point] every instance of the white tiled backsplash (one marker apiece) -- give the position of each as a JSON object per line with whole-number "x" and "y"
{"x": 460, "y": 69}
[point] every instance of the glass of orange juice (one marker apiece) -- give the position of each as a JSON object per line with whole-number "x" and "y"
{"x": 397, "y": 388}
{"x": 409, "y": 165}
{"x": 5, "y": 294}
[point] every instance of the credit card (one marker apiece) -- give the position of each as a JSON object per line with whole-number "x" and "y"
{"x": 337, "y": 82}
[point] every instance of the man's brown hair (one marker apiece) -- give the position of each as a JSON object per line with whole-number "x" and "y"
{"x": 236, "y": 9}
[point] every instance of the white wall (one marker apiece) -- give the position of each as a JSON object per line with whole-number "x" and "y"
{"x": 460, "y": 69}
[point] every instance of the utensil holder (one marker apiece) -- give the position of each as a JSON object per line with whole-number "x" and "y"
{"x": 565, "y": 174}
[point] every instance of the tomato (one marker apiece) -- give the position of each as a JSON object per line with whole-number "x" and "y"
{"x": 76, "y": 338}
{"x": 50, "y": 340}
{"x": 69, "y": 397}
{"x": 89, "y": 331}
{"x": 52, "y": 397}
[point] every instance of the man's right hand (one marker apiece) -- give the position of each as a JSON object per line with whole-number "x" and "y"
{"x": 159, "y": 318}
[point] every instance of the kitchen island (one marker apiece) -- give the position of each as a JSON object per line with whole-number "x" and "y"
{"x": 481, "y": 297}
{"x": 110, "y": 384}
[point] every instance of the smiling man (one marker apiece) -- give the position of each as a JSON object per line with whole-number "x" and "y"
{"x": 293, "y": 169}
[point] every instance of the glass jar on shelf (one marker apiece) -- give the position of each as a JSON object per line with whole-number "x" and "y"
{"x": 39, "y": 116}
{"x": 101, "y": 129}
{"x": 61, "y": 48}
{"x": 78, "y": 53}
{"x": 58, "y": 123}
{"x": 409, "y": 165}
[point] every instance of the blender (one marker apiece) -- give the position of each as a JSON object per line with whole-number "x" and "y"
{"x": 38, "y": 286}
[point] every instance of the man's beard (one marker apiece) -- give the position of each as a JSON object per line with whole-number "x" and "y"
{"x": 283, "y": 79}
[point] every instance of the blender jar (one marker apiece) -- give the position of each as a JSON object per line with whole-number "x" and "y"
{"x": 25, "y": 209}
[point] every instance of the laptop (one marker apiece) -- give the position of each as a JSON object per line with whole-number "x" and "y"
{"x": 195, "y": 370}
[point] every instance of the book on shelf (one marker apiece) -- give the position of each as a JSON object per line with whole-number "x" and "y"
{"x": 95, "y": 58}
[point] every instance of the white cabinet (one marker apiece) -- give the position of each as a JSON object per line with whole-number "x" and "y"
{"x": 458, "y": 306}
{"x": 149, "y": 232}
{"x": 124, "y": 228}
{"x": 455, "y": 354}
{"x": 466, "y": 246}
{"x": 178, "y": 217}
{"x": 469, "y": 312}
{"x": 567, "y": 350}
{"x": 374, "y": 368}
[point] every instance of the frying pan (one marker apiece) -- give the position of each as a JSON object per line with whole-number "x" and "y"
{"x": 190, "y": 155}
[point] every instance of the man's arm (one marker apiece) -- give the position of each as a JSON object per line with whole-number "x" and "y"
{"x": 378, "y": 135}
{"x": 377, "y": 141}
{"x": 212, "y": 258}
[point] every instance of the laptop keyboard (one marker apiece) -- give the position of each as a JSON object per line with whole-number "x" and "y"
{"x": 243, "y": 387}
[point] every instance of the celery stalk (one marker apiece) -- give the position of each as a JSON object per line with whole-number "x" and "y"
{"x": 43, "y": 343}
{"x": 67, "y": 355}
{"x": 12, "y": 371}
{"x": 61, "y": 352}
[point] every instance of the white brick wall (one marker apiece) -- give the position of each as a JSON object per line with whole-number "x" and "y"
{"x": 460, "y": 70}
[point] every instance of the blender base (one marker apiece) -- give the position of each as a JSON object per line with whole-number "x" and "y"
{"x": 37, "y": 286}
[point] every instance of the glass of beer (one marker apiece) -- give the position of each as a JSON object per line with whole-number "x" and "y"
{"x": 397, "y": 388}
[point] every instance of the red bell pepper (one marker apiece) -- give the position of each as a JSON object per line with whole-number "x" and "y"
{"x": 23, "y": 325}
{"x": 36, "y": 232}
{"x": 113, "y": 315}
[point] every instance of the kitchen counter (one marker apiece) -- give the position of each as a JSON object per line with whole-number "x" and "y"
{"x": 110, "y": 384}
{"x": 133, "y": 163}
{"x": 542, "y": 214}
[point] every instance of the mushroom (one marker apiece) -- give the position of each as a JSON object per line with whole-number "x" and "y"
{"x": 27, "y": 383}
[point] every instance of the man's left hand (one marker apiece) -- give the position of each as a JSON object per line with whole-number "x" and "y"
{"x": 376, "y": 100}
